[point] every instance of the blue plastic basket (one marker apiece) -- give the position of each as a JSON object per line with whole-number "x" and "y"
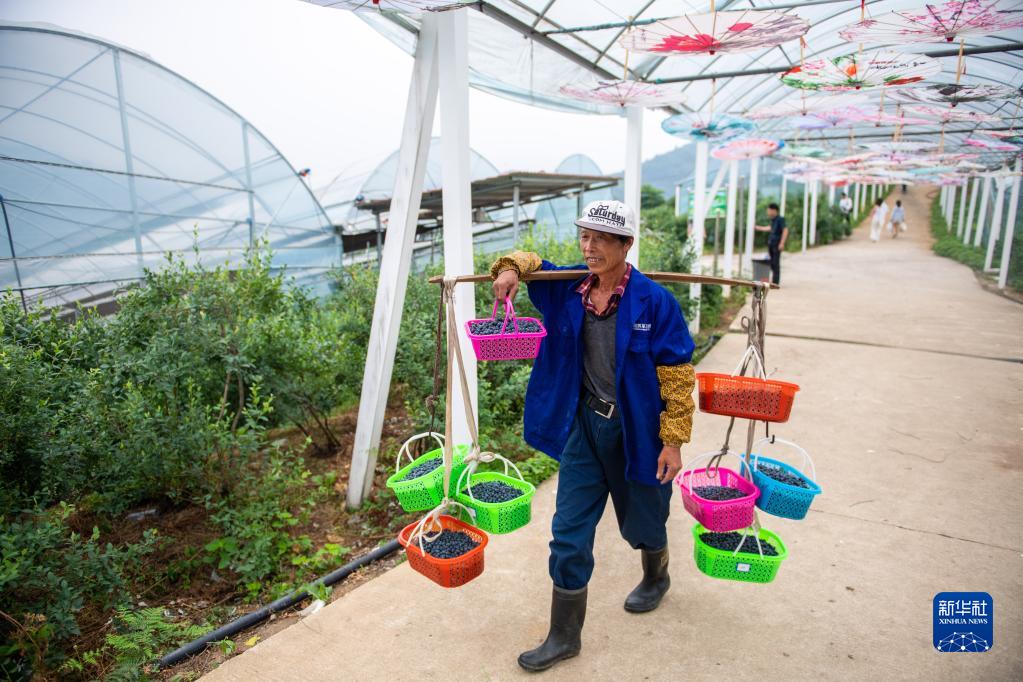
{"x": 781, "y": 499}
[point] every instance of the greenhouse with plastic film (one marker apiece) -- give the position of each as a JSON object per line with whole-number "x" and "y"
{"x": 330, "y": 330}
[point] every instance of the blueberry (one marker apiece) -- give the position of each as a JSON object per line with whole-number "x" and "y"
{"x": 450, "y": 544}
{"x": 492, "y": 327}
{"x": 781, "y": 475}
{"x": 718, "y": 493}
{"x": 729, "y": 541}
{"x": 494, "y": 492}
{"x": 422, "y": 469}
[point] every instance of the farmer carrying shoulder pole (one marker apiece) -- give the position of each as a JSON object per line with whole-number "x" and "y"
{"x": 610, "y": 397}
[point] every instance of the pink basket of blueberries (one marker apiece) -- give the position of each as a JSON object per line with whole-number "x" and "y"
{"x": 507, "y": 337}
{"x": 719, "y": 498}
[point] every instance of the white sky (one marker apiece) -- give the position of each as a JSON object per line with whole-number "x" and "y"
{"x": 323, "y": 86}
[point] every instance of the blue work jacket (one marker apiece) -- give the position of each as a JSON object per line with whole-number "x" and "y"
{"x": 650, "y": 331}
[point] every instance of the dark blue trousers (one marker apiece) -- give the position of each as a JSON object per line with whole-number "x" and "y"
{"x": 593, "y": 466}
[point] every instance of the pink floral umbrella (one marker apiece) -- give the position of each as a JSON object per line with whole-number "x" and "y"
{"x": 938, "y": 23}
{"x": 625, "y": 93}
{"x": 949, "y": 115}
{"x": 715, "y": 32}
{"x": 750, "y": 148}
{"x": 879, "y": 117}
{"x": 952, "y": 93}
{"x": 884, "y": 69}
{"x": 991, "y": 146}
{"x": 401, "y": 6}
{"x": 805, "y": 106}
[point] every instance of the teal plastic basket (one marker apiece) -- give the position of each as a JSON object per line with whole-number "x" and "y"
{"x": 499, "y": 517}
{"x": 783, "y": 499}
{"x": 425, "y": 492}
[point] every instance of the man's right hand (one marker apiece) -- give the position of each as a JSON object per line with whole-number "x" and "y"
{"x": 506, "y": 285}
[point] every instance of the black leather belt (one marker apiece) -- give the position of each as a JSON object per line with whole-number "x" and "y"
{"x": 601, "y": 407}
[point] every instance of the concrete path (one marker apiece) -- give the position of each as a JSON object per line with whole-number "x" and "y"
{"x": 912, "y": 406}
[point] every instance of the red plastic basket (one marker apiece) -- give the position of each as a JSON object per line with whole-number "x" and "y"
{"x": 508, "y": 345}
{"x": 724, "y": 515}
{"x": 446, "y": 572}
{"x": 766, "y": 400}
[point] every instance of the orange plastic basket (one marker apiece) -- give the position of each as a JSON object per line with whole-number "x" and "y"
{"x": 446, "y": 572}
{"x": 766, "y": 400}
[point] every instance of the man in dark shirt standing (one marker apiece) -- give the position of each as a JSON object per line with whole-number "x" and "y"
{"x": 776, "y": 241}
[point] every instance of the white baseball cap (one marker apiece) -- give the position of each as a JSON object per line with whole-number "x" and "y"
{"x": 608, "y": 216}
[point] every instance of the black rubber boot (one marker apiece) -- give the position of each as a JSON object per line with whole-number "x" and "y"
{"x": 656, "y": 581}
{"x": 568, "y": 611}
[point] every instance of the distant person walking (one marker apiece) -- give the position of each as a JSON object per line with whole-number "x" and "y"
{"x": 878, "y": 217}
{"x": 776, "y": 241}
{"x": 898, "y": 219}
{"x": 845, "y": 205}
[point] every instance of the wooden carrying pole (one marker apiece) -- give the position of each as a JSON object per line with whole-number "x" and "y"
{"x": 575, "y": 274}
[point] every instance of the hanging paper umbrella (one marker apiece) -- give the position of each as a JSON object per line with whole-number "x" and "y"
{"x": 991, "y": 146}
{"x": 937, "y": 23}
{"x": 700, "y": 127}
{"x": 948, "y": 115}
{"x": 804, "y": 106}
{"x": 401, "y": 6}
{"x": 951, "y": 93}
{"x": 625, "y": 93}
{"x": 878, "y": 117}
{"x": 900, "y": 146}
{"x": 715, "y": 32}
{"x": 803, "y": 151}
{"x": 855, "y": 71}
{"x": 751, "y": 148}
{"x": 1010, "y": 136}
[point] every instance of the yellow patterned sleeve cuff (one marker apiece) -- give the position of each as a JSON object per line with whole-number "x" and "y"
{"x": 677, "y": 383}
{"x": 522, "y": 262}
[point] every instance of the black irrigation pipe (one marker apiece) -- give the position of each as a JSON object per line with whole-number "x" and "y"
{"x": 250, "y": 619}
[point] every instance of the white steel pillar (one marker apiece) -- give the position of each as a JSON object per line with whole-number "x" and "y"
{"x": 456, "y": 185}
{"x": 831, "y": 195}
{"x": 1010, "y": 226}
{"x": 394, "y": 265}
{"x": 982, "y": 218}
{"x": 856, "y": 200}
{"x": 813, "y": 212}
{"x": 943, "y": 200}
{"x": 806, "y": 213}
{"x": 699, "y": 215}
{"x": 634, "y": 171}
{"x": 950, "y": 211}
{"x": 996, "y": 220}
{"x": 516, "y": 201}
{"x": 733, "y": 187}
{"x": 784, "y": 194}
{"x": 973, "y": 208}
{"x": 962, "y": 209}
{"x": 751, "y": 213}
{"x": 678, "y": 199}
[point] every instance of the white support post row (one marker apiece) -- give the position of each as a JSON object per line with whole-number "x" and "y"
{"x": 751, "y": 213}
{"x": 962, "y": 209}
{"x": 1010, "y": 226}
{"x": 982, "y": 218}
{"x": 733, "y": 186}
{"x": 950, "y": 212}
{"x": 996, "y": 220}
{"x": 394, "y": 265}
{"x": 784, "y": 194}
{"x": 634, "y": 171}
{"x": 813, "y": 212}
{"x": 973, "y": 210}
{"x": 699, "y": 215}
{"x": 456, "y": 186}
{"x": 806, "y": 212}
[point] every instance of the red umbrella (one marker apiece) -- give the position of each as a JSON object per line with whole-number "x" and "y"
{"x": 715, "y": 32}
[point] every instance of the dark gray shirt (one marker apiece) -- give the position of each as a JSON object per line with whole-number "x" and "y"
{"x": 599, "y": 355}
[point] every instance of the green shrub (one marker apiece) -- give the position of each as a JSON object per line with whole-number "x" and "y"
{"x": 48, "y": 575}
